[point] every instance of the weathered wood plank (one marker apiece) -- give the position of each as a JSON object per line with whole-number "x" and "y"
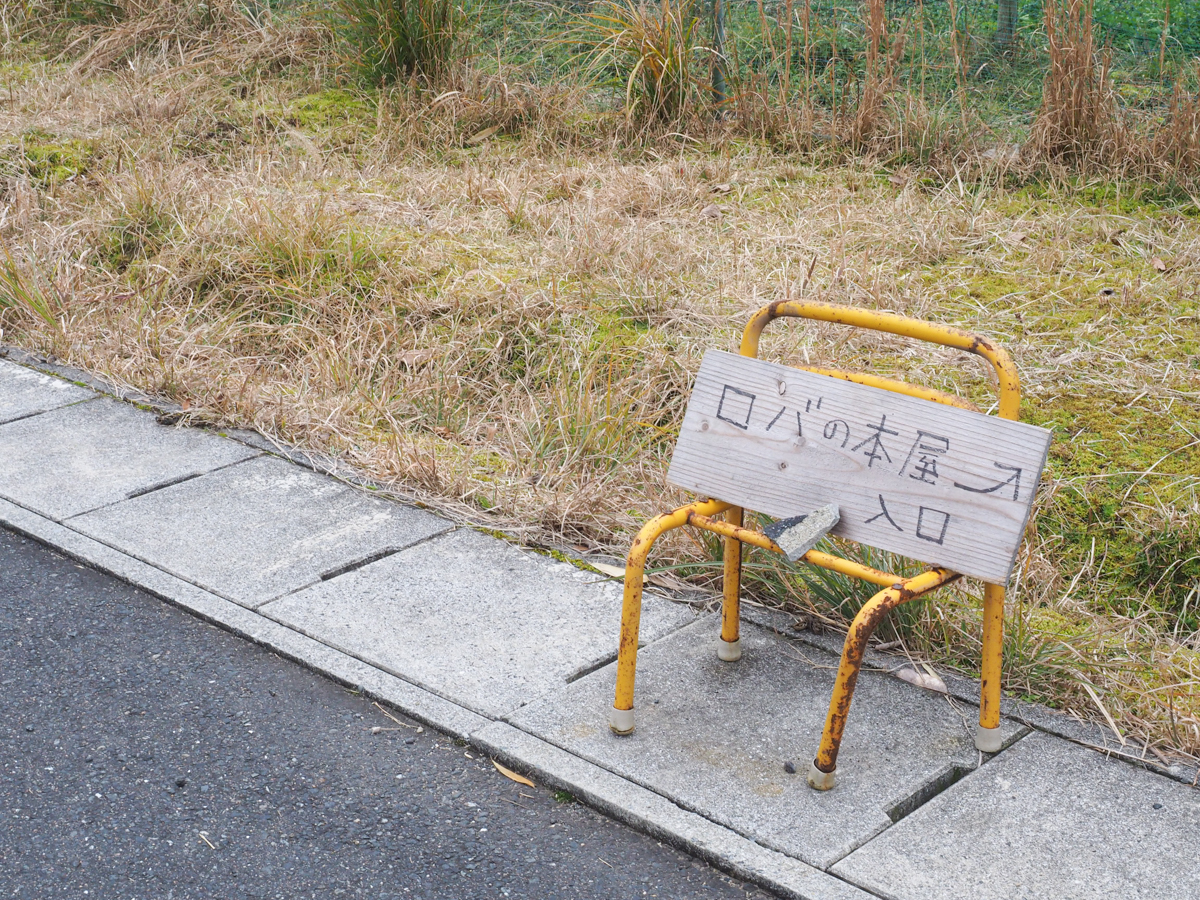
{"x": 943, "y": 485}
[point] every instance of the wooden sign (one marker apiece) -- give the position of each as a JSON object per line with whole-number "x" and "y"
{"x": 940, "y": 484}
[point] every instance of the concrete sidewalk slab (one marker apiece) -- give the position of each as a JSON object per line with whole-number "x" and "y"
{"x": 81, "y": 457}
{"x": 474, "y": 619}
{"x": 24, "y": 392}
{"x": 715, "y": 736}
{"x": 257, "y": 530}
{"x": 1046, "y": 820}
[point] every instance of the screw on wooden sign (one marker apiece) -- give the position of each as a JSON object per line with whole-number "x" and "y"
{"x": 945, "y": 485}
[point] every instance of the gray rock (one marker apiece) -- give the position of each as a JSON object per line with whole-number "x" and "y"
{"x": 799, "y": 534}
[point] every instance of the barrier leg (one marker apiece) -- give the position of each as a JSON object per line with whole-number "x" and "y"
{"x": 987, "y": 736}
{"x": 822, "y": 774}
{"x": 729, "y": 648}
{"x": 621, "y": 716}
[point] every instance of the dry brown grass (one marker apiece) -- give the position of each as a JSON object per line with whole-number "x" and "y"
{"x": 1178, "y": 142}
{"x": 1078, "y": 119}
{"x": 485, "y": 305}
{"x": 1081, "y": 122}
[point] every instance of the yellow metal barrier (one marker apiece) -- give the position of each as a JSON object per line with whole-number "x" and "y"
{"x": 896, "y": 590}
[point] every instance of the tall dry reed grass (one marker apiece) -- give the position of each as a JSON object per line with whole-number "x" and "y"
{"x": 391, "y": 40}
{"x": 1078, "y": 117}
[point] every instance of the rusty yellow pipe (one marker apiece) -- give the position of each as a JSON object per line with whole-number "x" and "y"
{"x": 895, "y": 591}
{"x": 987, "y": 737}
{"x": 822, "y": 774}
{"x": 730, "y": 648}
{"x": 1009, "y": 391}
{"x": 621, "y": 719}
{"x": 813, "y": 557}
{"x": 900, "y": 387}
{"x": 699, "y": 515}
{"x": 1006, "y": 372}
{"x": 847, "y": 567}
{"x": 734, "y": 531}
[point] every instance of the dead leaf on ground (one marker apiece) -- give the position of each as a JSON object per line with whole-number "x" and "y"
{"x": 712, "y": 211}
{"x": 509, "y": 773}
{"x": 413, "y": 359}
{"x": 611, "y": 571}
{"x": 722, "y": 188}
{"x": 928, "y": 680}
{"x": 1158, "y": 265}
{"x": 669, "y": 582}
{"x": 482, "y": 136}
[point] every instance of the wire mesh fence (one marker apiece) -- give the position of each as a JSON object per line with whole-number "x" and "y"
{"x": 933, "y": 68}
{"x": 1142, "y": 27}
{"x": 1133, "y": 26}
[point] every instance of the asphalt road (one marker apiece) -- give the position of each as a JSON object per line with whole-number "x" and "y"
{"x": 147, "y": 755}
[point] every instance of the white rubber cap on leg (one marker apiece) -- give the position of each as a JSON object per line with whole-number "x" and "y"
{"x": 821, "y": 781}
{"x": 620, "y": 721}
{"x": 989, "y": 740}
{"x": 729, "y": 651}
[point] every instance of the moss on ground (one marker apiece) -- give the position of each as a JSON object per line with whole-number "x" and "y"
{"x": 333, "y": 117}
{"x": 1122, "y": 474}
{"x": 50, "y": 160}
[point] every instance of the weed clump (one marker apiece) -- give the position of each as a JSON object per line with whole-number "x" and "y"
{"x": 1077, "y": 119}
{"x": 652, "y": 52}
{"x": 394, "y": 40}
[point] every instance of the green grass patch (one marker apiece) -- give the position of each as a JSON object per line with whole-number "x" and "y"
{"x": 334, "y": 116}
{"x": 50, "y": 160}
{"x": 1120, "y": 471}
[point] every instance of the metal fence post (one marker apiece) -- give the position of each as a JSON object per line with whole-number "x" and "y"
{"x": 718, "y": 78}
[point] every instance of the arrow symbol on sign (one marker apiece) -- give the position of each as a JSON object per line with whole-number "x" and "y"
{"x": 1014, "y": 479}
